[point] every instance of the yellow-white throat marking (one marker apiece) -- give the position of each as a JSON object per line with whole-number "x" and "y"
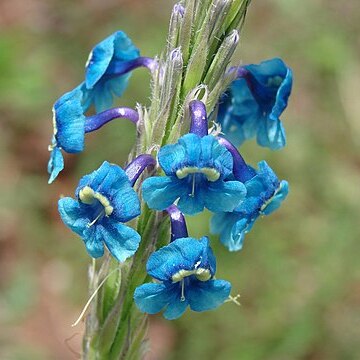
{"x": 88, "y": 196}
{"x": 210, "y": 173}
{"x": 200, "y": 273}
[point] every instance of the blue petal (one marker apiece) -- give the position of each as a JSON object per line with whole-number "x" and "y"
{"x": 152, "y": 298}
{"x": 215, "y": 155}
{"x": 271, "y": 134}
{"x": 277, "y": 199}
{"x": 192, "y": 146}
{"x": 116, "y": 47}
{"x": 223, "y": 196}
{"x": 266, "y": 79}
{"x": 55, "y": 164}
{"x": 122, "y": 241}
{"x": 107, "y": 178}
{"x": 182, "y": 254}
{"x": 207, "y": 295}
{"x": 159, "y": 192}
{"x": 73, "y": 215}
{"x": 238, "y": 113}
{"x": 171, "y": 158}
{"x": 282, "y": 96}
{"x": 236, "y": 238}
{"x": 93, "y": 241}
{"x": 176, "y": 306}
{"x": 69, "y": 121}
{"x": 191, "y": 204}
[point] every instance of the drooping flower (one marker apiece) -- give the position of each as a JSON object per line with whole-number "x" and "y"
{"x": 69, "y": 130}
{"x": 104, "y": 201}
{"x": 70, "y": 126}
{"x": 108, "y": 71}
{"x": 185, "y": 270}
{"x": 254, "y": 102}
{"x": 265, "y": 194}
{"x": 197, "y": 171}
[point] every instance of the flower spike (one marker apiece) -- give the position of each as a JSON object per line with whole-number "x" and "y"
{"x": 185, "y": 270}
{"x": 104, "y": 200}
{"x": 178, "y": 224}
{"x": 254, "y": 102}
{"x": 138, "y": 165}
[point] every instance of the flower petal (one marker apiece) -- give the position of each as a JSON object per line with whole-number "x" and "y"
{"x": 69, "y": 121}
{"x": 121, "y": 240}
{"x": 207, "y": 295}
{"x": 159, "y": 192}
{"x": 176, "y": 306}
{"x": 271, "y": 134}
{"x": 55, "y": 164}
{"x": 277, "y": 199}
{"x": 152, "y": 298}
{"x": 191, "y": 204}
{"x": 73, "y": 215}
{"x": 172, "y": 157}
{"x": 93, "y": 241}
{"x": 223, "y": 195}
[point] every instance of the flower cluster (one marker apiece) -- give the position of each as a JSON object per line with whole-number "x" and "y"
{"x": 201, "y": 170}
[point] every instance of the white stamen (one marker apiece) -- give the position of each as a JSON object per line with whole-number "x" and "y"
{"x": 234, "y": 299}
{"x": 182, "y": 290}
{"x": 193, "y": 187}
{"x": 96, "y": 219}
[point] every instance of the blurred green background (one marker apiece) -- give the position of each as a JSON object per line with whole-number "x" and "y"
{"x": 298, "y": 274}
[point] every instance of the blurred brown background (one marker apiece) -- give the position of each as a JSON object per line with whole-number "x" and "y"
{"x": 298, "y": 274}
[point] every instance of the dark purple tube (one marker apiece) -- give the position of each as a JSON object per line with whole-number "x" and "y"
{"x": 118, "y": 68}
{"x": 199, "y": 122}
{"x": 138, "y": 165}
{"x": 95, "y": 122}
{"x": 178, "y": 224}
{"x": 241, "y": 170}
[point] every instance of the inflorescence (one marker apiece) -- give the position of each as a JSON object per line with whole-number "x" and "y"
{"x": 201, "y": 170}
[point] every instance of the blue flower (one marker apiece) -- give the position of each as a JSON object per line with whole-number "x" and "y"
{"x": 69, "y": 130}
{"x": 104, "y": 200}
{"x": 197, "y": 171}
{"x": 185, "y": 269}
{"x": 254, "y": 102}
{"x": 265, "y": 194}
{"x": 102, "y": 80}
